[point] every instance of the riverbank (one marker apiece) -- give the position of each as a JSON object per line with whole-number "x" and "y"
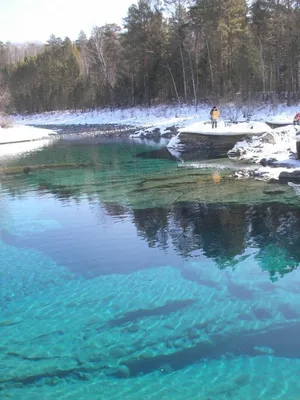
{"x": 170, "y": 121}
{"x": 90, "y": 130}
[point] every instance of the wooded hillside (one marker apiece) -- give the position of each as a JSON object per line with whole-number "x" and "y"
{"x": 171, "y": 51}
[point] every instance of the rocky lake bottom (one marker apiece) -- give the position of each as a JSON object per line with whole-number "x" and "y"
{"x": 126, "y": 275}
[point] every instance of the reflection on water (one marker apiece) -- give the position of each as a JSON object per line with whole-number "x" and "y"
{"x": 124, "y": 277}
{"x": 85, "y": 232}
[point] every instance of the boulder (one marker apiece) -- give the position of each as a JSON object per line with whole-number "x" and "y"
{"x": 268, "y": 162}
{"x": 268, "y": 138}
{"x": 293, "y": 176}
{"x": 298, "y": 149}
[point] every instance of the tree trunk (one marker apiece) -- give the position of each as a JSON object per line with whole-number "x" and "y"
{"x": 193, "y": 78}
{"x": 210, "y": 67}
{"x": 173, "y": 81}
{"x": 183, "y": 74}
{"x": 262, "y": 65}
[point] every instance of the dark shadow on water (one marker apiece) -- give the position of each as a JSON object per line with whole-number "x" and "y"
{"x": 250, "y": 344}
{"x": 160, "y": 153}
{"x": 158, "y": 311}
{"x": 187, "y": 155}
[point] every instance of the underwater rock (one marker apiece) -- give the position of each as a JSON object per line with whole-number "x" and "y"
{"x": 54, "y": 381}
{"x": 166, "y": 369}
{"x": 18, "y": 385}
{"x": 287, "y": 311}
{"x": 132, "y": 328}
{"x": 263, "y": 349}
{"x": 122, "y": 371}
{"x": 146, "y": 354}
{"x": 242, "y": 379}
{"x": 26, "y": 170}
{"x": 117, "y": 352}
{"x": 179, "y": 344}
{"x": 192, "y": 333}
{"x": 273, "y": 192}
{"x": 262, "y": 313}
{"x": 82, "y": 376}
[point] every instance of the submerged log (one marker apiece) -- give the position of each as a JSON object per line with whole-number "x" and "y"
{"x": 31, "y": 168}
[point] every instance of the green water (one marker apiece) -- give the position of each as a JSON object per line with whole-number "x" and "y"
{"x": 124, "y": 275}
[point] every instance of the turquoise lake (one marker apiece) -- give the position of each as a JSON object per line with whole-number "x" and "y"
{"x": 127, "y": 275}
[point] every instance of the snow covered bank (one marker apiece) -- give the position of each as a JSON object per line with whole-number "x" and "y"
{"x": 22, "y": 133}
{"x": 17, "y": 149}
{"x": 281, "y": 119}
{"x": 275, "y": 152}
{"x": 165, "y": 120}
{"x": 278, "y": 144}
{"x": 159, "y": 116}
{"x": 154, "y": 132}
{"x": 22, "y": 139}
{"x": 227, "y": 128}
{"x": 214, "y": 142}
{"x": 272, "y": 150}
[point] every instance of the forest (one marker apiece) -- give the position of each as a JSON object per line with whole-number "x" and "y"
{"x": 166, "y": 52}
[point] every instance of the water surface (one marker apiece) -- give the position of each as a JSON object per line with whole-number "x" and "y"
{"x": 125, "y": 276}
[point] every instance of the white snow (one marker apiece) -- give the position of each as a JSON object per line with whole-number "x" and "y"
{"x": 282, "y": 118}
{"x": 22, "y": 139}
{"x": 160, "y": 116}
{"x": 19, "y": 133}
{"x": 17, "y": 149}
{"x": 227, "y": 128}
{"x": 282, "y": 114}
{"x": 281, "y": 142}
{"x": 280, "y": 147}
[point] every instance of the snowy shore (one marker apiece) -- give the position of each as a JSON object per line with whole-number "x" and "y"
{"x": 22, "y": 133}
{"x": 20, "y": 139}
{"x": 273, "y": 150}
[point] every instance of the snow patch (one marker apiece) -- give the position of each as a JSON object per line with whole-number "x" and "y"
{"x": 22, "y": 139}
{"x": 277, "y": 144}
{"x": 21, "y": 133}
{"x": 17, "y": 149}
{"x": 227, "y": 128}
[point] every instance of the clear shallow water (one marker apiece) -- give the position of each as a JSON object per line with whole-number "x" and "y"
{"x": 129, "y": 278}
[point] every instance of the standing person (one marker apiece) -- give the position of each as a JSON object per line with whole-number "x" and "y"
{"x": 214, "y": 116}
{"x": 297, "y": 119}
